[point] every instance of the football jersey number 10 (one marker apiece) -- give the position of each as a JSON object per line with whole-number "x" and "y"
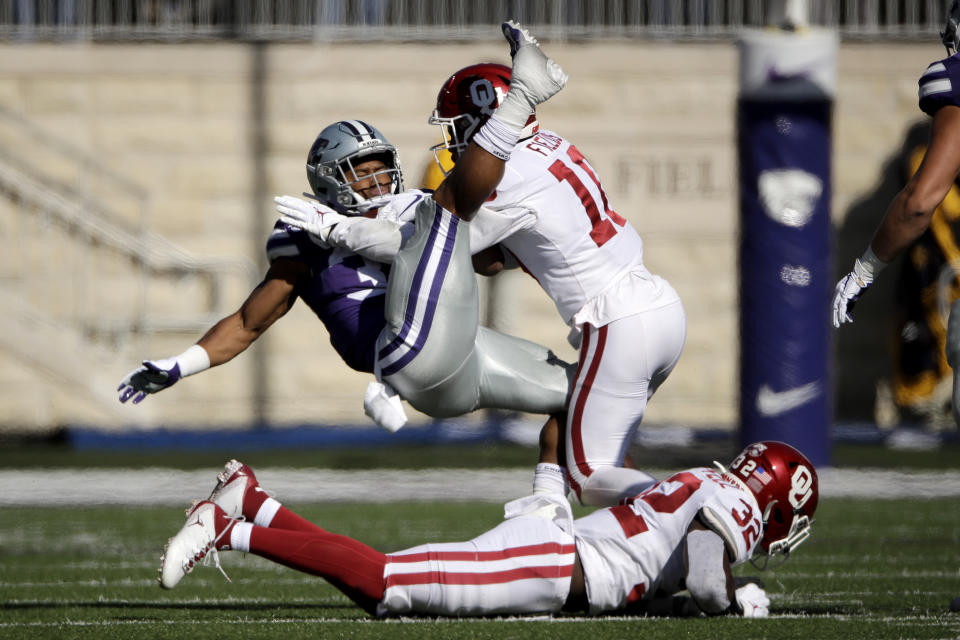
{"x": 602, "y": 229}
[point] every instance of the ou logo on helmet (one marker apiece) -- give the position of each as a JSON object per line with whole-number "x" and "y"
{"x": 801, "y": 486}
{"x": 484, "y": 95}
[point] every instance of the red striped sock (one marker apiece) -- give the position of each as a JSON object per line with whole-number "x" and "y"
{"x": 349, "y": 565}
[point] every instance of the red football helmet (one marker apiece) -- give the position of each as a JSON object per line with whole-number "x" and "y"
{"x": 466, "y": 100}
{"x": 786, "y": 488}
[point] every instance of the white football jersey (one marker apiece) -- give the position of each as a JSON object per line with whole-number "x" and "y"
{"x": 551, "y": 212}
{"x": 630, "y": 551}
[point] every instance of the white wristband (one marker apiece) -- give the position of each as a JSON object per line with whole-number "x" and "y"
{"x": 497, "y": 138}
{"x": 193, "y": 360}
{"x": 868, "y": 266}
{"x": 871, "y": 259}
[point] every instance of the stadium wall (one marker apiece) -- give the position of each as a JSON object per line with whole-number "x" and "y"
{"x": 656, "y": 120}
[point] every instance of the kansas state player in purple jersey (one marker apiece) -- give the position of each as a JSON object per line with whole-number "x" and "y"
{"x": 417, "y": 330}
{"x": 911, "y": 211}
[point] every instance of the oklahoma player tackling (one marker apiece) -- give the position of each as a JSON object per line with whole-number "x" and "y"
{"x": 418, "y": 330}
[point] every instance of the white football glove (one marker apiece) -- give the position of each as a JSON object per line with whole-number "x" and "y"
{"x": 534, "y": 78}
{"x": 753, "y": 601}
{"x": 315, "y": 218}
{"x": 848, "y": 290}
{"x": 534, "y": 75}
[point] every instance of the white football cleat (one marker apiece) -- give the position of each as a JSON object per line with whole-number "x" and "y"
{"x": 535, "y": 75}
{"x": 232, "y": 486}
{"x": 206, "y": 524}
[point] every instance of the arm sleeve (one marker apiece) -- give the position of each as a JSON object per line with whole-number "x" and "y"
{"x": 940, "y": 86}
{"x": 706, "y": 573}
{"x": 373, "y": 238}
{"x": 724, "y": 528}
{"x": 289, "y": 242}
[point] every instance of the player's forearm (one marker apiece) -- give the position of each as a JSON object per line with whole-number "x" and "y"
{"x": 265, "y": 305}
{"x": 489, "y": 262}
{"x": 906, "y": 219}
{"x": 227, "y": 339}
{"x": 474, "y": 177}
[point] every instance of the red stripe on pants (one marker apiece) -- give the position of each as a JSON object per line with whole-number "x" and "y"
{"x": 484, "y": 556}
{"x": 576, "y": 421}
{"x": 475, "y": 578}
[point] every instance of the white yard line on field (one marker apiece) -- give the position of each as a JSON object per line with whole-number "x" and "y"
{"x": 163, "y": 486}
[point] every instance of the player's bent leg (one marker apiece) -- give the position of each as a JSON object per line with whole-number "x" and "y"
{"x": 551, "y": 438}
{"x": 524, "y": 565}
{"x": 550, "y": 476}
{"x": 607, "y": 402}
{"x": 431, "y": 305}
{"x": 607, "y": 486}
{"x": 457, "y": 395}
{"x": 520, "y": 375}
{"x": 953, "y": 355}
{"x": 617, "y": 364}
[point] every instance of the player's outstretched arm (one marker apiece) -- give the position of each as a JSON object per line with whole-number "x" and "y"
{"x": 225, "y": 340}
{"x": 909, "y": 214}
{"x": 535, "y": 78}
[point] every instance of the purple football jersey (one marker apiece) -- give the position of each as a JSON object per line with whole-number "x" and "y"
{"x": 345, "y": 290}
{"x": 940, "y": 85}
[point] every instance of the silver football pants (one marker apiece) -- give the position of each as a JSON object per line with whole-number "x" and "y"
{"x": 433, "y": 351}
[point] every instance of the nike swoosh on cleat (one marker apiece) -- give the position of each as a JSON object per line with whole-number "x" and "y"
{"x": 772, "y": 403}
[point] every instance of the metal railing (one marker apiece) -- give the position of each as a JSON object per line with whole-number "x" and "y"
{"x": 419, "y": 20}
{"x": 87, "y": 258}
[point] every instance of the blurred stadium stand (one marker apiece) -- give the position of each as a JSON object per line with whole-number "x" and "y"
{"x": 427, "y": 20}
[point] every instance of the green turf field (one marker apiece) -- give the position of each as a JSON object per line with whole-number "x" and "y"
{"x": 873, "y": 569}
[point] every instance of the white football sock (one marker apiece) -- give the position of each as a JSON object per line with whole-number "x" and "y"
{"x": 240, "y": 536}
{"x": 266, "y": 512}
{"x": 549, "y": 478}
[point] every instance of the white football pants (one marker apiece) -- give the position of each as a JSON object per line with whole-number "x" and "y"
{"x": 621, "y": 365}
{"x": 432, "y": 350}
{"x": 524, "y": 565}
